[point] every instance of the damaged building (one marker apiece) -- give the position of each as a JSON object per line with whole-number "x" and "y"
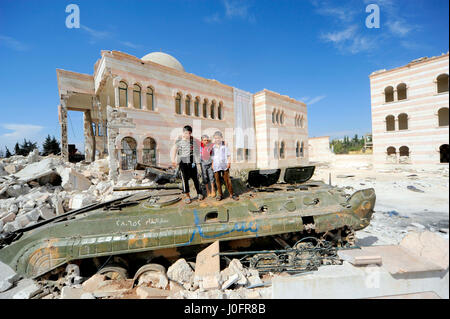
{"x": 410, "y": 113}
{"x": 134, "y": 110}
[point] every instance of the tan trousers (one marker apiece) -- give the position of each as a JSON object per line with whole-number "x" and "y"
{"x": 226, "y": 178}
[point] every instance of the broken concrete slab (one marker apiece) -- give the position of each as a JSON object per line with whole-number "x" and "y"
{"x": 211, "y": 282}
{"x": 359, "y": 257}
{"x": 231, "y": 280}
{"x": 154, "y": 279}
{"x": 46, "y": 212}
{"x": 429, "y": 246}
{"x": 7, "y": 277}
{"x": 80, "y": 200}
{"x": 30, "y": 290}
{"x": 71, "y": 180}
{"x": 37, "y": 170}
{"x": 94, "y": 283}
{"x": 145, "y": 292}
{"x": 71, "y": 293}
{"x": 208, "y": 261}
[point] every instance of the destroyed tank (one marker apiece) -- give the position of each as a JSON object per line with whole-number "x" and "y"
{"x": 140, "y": 232}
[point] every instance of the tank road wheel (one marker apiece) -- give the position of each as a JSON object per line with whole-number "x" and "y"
{"x": 113, "y": 272}
{"x": 151, "y": 272}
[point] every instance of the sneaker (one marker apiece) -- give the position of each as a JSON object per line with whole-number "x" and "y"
{"x": 235, "y": 197}
{"x": 187, "y": 200}
{"x": 200, "y": 197}
{"x": 218, "y": 198}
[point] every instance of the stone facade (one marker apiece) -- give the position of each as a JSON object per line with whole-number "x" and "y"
{"x": 134, "y": 109}
{"x": 410, "y": 113}
{"x": 319, "y": 149}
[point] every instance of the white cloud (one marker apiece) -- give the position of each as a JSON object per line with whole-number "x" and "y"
{"x": 316, "y": 99}
{"x": 18, "y": 133}
{"x": 99, "y": 35}
{"x": 340, "y": 36}
{"x": 214, "y": 18}
{"x": 399, "y": 27}
{"x": 130, "y": 44}
{"x": 13, "y": 43}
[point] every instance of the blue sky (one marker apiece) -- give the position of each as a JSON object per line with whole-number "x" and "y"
{"x": 319, "y": 52}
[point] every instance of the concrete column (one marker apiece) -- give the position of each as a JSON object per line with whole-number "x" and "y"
{"x": 144, "y": 97}
{"x": 62, "y": 110}
{"x": 115, "y": 83}
{"x": 395, "y": 95}
{"x": 130, "y": 97}
{"x": 89, "y": 141}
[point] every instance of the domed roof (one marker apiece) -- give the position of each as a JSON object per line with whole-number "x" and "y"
{"x": 164, "y": 59}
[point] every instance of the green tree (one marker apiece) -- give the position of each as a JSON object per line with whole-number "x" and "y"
{"x": 7, "y": 153}
{"x": 51, "y": 146}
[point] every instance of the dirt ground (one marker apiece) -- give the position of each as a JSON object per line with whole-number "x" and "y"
{"x": 408, "y": 198}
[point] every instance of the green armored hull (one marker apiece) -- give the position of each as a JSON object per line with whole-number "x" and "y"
{"x": 159, "y": 224}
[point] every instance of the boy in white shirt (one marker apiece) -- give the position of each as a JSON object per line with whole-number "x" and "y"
{"x": 221, "y": 162}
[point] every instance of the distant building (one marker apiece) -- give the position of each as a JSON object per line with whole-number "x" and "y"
{"x": 134, "y": 109}
{"x": 410, "y": 113}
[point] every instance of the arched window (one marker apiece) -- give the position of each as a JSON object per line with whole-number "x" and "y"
{"x": 220, "y": 111}
{"x": 137, "y": 96}
{"x": 149, "y": 96}
{"x": 128, "y": 153}
{"x": 213, "y": 109}
{"x": 297, "y": 149}
{"x": 401, "y": 92}
{"x": 390, "y": 123}
{"x": 302, "y": 148}
{"x": 403, "y": 121}
{"x": 278, "y": 117}
{"x": 197, "y": 106}
{"x": 149, "y": 151}
{"x": 391, "y": 150}
{"x": 301, "y": 122}
{"x": 123, "y": 94}
{"x": 178, "y": 103}
{"x": 273, "y": 116}
{"x": 444, "y": 151}
{"x": 443, "y": 116}
{"x": 187, "y": 105}
{"x": 275, "y": 150}
{"x": 404, "y": 151}
{"x": 442, "y": 83}
{"x": 282, "y": 118}
{"x": 282, "y": 149}
{"x": 389, "y": 94}
{"x": 205, "y": 108}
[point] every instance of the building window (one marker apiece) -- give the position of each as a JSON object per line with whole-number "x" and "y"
{"x": 301, "y": 122}
{"x": 178, "y": 103}
{"x": 213, "y": 109}
{"x": 282, "y": 118}
{"x": 128, "y": 153}
{"x": 297, "y": 149}
{"x": 389, "y": 94}
{"x": 443, "y": 116}
{"x": 403, "y": 121}
{"x": 273, "y": 117}
{"x": 150, "y": 99}
{"x": 282, "y": 149}
{"x": 123, "y": 94}
{"x": 391, "y": 151}
{"x": 187, "y": 106}
{"x": 404, "y": 151}
{"x": 401, "y": 92}
{"x": 149, "y": 151}
{"x": 278, "y": 117}
{"x": 275, "y": 150}
{"x": 442, "y": 83}
{"x": 390, "y": 123}
{"x": 205, "y": 108}
{"x": 444, "y": 151}
{"x": 220, "y": 111}
{"x": 197, "y": 106}
{"x": 137, "y": 96}
{"x": 94, "y": 125}
{"x": 302, "y": 148}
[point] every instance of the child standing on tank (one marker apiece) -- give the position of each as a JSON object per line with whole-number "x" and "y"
{"x": 221, "y": 163}
{"x": 206, "y": 165}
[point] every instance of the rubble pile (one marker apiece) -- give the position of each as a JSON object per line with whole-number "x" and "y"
{"x": 34, "y": 188}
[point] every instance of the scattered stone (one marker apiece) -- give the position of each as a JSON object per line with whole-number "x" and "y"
{"x": 72, "y": 180}
{"x": 87, "y": 295}
{"x": 46, "y": 212}
{"x": 71, "y": 293}
{"x": 211, "y": 282}
{"x": 154, "y": 279}
{"x": 231, "y": 280}
{"x": 344, "y": 176}
{"x": 94, "y": 283}
{"x": 443, "y": 230}
{"x": 81, "y": 200}
{"x": 8, "y": 218}
{"x": 7, "y": 277}
{"x": 417, "y": 225}
{"x": 30, "y": 290}
{"x": 181, "y": 272}
{"x": 145, "y": 292}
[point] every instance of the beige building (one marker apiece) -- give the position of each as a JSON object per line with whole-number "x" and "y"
{"x": 134, "y": 109}
{"x": 410, "y": 113}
